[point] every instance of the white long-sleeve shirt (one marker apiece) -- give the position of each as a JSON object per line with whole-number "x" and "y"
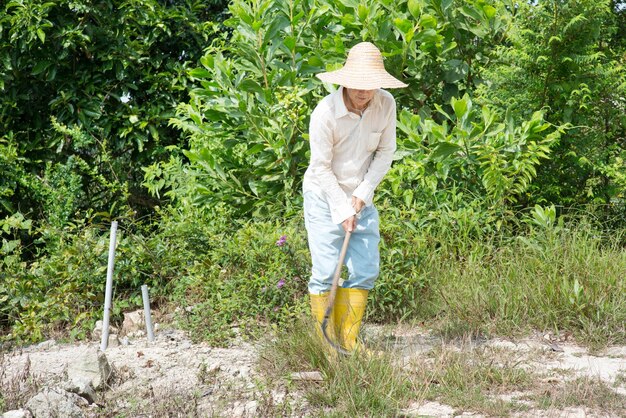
{"x": 350, "y": 154}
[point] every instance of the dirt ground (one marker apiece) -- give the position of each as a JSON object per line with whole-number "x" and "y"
{"x": 174, "y": 377}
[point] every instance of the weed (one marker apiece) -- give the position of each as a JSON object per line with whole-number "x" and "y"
{"x": 167, "y": 402}
{"x": 362, "y": 384}
{"x": 472, "y": 379}
{"x": 568, "y": 280}
{"x": 620, "y": 379}
{"x": 583, "y": 391}
{"x": 206, "y": 374}
{"x": 16, "y": 388}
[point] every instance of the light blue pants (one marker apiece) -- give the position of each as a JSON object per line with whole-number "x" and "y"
{"x": 326, "y": 239}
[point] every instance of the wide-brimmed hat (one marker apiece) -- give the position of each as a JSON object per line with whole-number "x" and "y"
{"x": 364, "y": 70}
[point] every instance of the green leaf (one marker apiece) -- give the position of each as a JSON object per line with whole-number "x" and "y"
{"x": 414, "y": 8}
{"x": 445, "y": 4}
{"x": 489, "y": 11}
{"x": 460, "y": 106}
{"x": 199, "y": 73}
{"x": 251, "y": 86}
{"x": 255, "y": 149}
{"x": 404, "y": 25}
{"x": 455, "y": 70}
{"x": 444, "y": 150}
{"x": 254, "y": 187}
{"x": 363, "y": 11}
{"x": 40, "y": 67}
{"x": 207, "y": 61}
{"x": 42, "y": 35}
{"x": 290, "y": 42}
{"x": 428, "y": 22}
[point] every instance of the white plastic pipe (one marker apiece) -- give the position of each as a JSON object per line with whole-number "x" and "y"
{"x": 109, "y": 288}
{"x": 146, "y": 311}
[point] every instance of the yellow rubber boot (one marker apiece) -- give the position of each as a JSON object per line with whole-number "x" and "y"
{"x": 319, "y": 304}
{"x": 349, "y": 309}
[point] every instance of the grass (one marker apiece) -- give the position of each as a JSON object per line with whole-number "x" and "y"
{"x": 472, "y": 379}
{"x": 584, "y": 391}
{"x": 177, "y": 403}
{"x": 16, "y": 388}
{"x": 620, "y": 379}
{"x": 382, "y": 384}
{"x": 554, "y": 280}
{"x": 360, "y": 385}
{"x": 487, "y": 380}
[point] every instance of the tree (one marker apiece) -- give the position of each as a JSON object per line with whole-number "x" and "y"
{"x": 563, "y": 57}
{"x": 87, "y": 89}
{"x": 247, "y": 118}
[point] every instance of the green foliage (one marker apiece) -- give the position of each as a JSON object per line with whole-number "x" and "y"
{"x": 64, "y": 287}
{"x": 251, "y": 277}
{"x": 86, "y": 92}
{"x": 555, "y": 278}
{"x": 558, "y": 58}
{"x": 247, "y": 117}
{"x": 357, "y": 385}
{"x": 486, "y": 156}
{"x": 507, "y": 108}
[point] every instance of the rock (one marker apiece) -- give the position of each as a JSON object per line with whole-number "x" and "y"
{"x": 278, "y": 396}
{"x": 96, "y": 334}
{"x": 114, "y": 341}
{"x": 429, "y": 409}
{"x": 82, "y": 388}
{"x": 46, "y": 345}
{"x": 54, "y": 402}
{"x": 238, "y": 410}
{"x": 136, "y": 334}
{"x": 133, "y": 321}
{"x": 17, "y": 413}
{"x": 250, "y": 408}
{"x": 91, "y": 366}
{"x": 308, "y": 376}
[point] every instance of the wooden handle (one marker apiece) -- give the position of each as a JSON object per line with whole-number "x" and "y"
{"x": 333, "y": 292}
{"x": 342, "y": 256}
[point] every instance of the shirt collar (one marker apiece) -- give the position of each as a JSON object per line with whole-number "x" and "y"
{"x": 340, "y": 107}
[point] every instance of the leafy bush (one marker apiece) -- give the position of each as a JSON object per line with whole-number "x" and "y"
{"x": 556, "y": 60}
{"x": 254, "y": 276}
{"x": 467, "y": 172}
{"x": 111, "y": 71}
{"x": 247, "y": 117}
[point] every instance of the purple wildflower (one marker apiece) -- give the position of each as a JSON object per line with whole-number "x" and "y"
{"x": 281, "y": 241}
{"x": 280, "y": 283}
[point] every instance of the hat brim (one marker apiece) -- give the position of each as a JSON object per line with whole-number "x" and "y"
{"x": 362, "y": 80}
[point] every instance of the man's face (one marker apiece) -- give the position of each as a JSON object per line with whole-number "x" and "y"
{"x": 360, "y": 98}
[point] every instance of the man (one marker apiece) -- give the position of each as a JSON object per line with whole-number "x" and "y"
{"x": 352, "y": 135}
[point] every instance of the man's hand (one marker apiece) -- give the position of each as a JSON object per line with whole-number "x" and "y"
{"x": 357, "y": 204}
{"x": 349, "y": 224}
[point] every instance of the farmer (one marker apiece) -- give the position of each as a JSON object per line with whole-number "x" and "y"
{"x": 352, "y": 136}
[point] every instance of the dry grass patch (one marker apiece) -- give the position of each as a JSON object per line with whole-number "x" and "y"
{"x": 18, "y": 387}
{"x": 177, "y": 403}
{"x": 473, "y": 379}
{"x": 363, "y": 384}
{"x": 592, "y": 393}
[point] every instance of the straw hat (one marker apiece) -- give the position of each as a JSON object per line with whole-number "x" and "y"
{"x": 364, "y": 70}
